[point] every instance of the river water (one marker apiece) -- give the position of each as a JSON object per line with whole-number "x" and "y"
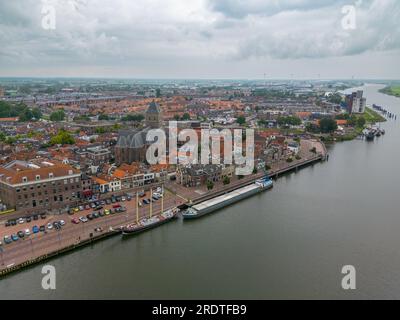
{"x": 290, "y": 242}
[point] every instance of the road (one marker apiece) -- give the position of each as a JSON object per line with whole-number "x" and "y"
{"x": 42, "y": 243}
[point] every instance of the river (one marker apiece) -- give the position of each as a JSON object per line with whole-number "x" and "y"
{"x": 290, "y": 242}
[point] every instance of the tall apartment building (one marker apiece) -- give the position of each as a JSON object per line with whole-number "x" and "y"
{"x": 38, "y": 186}
{"x": 355, "y": 102}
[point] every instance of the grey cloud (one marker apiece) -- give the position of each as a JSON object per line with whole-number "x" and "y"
{"x": 241, "y": 9}
{"x": 320, "y": 34}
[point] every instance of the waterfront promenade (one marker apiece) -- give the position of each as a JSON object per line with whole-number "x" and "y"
{"x": 41, "y": 246}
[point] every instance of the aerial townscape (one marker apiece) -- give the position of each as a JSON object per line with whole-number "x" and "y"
{"x": 64, "y": 161}
{"x": 174, "y": 152}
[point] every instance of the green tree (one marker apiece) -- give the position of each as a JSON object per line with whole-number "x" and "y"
{"x": 361, "y": 122}
{"x": 62, "y": 137}
{"x": 255, "y": 170}
{"x": 210, "y": 185}
{"x": 241, "y": 120}
{"x": 226, "y": 180}
{"x": 327, "y": 125}
{"x": 103, "y": 116}
{"x": 58, "y": 115}
{"x": 186, "y": 116}
{"x": 289, "y": 120}
{"x": 133, "y": 117}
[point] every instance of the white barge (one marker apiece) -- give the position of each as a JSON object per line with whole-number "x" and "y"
{"x": 219, "y": 202}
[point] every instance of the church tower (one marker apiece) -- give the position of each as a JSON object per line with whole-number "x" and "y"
{"x": 154, "y": 116}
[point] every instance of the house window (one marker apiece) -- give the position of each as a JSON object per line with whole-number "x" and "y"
{"x": 51, "y": 175}
{"x": 37, "y": 177}
{"x": 24, "y": 179}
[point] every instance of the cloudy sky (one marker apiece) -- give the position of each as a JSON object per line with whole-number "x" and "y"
{"x": 201, "y": 39}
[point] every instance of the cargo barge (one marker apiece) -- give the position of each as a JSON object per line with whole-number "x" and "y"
{"x": 203, "y": 208}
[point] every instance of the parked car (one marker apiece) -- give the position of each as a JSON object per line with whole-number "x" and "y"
{"x": 87, "y": 207}
{"x": 43, "y": 216}
{"x": 101, "y": 213}
{"x": 7, "y": 224}
{"x": 7, "y": 239}
{"x": 107, "y": 212}
{"x": 42, "y": 228}
{"x": 13, "y": 222}
{"x": 108, "y": 201}
{"x": 27, "y": 232}
{"x": 35, "y": 217}
{"x": 81, "y": 208}
{"x": 21, "y": 234}
{"x": 14, "y": 237}
{"x": 28, "y": 219}
{"x": 49, "y": 226}
{"x": 35, "y": 229}
{"x": 21, "y": 220}
{"x": 62, "y": 222}
{"x": 123, "y": 199}
{"x": 83, "y": 219}
{"x": 128, "y": 198}
{"x": 89, "y": 216}
{"x": 93, "y": 205}
{"x": 116, "y": 205}
{"x": 75, "y": 220}
{"x": 95, "y": 215}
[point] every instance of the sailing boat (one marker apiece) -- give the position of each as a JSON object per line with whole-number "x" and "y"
{"x": 152, "y": 221}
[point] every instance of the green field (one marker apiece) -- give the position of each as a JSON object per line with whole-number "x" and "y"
{"x": 392, "y": 90}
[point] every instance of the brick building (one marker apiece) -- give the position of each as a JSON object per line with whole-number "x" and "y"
{"x": 38, "y": 186}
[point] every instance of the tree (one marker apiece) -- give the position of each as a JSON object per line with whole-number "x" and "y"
{"x": 103, "y": 116}
{"x": 62, "y": 137}
{"x": 327, "y": 125}
{"x": 255, "y": 170}
{"x": 335, "y": 98}
{"x": 226, "y": 180}
{"x": 186, "y": 116}
{"x": 133, "y": 117}
{"x": 241, "y": 120}
{"x": 289, "y": 120}
{"x": 361, "y": 122}
{"x": 58, "y": 115}
{"x": 210, "y": 185}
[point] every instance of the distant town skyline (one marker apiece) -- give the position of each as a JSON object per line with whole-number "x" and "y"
{"x": 200, "y": 39}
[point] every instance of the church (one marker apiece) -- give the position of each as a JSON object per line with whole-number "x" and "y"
{"x": 132, "y": 144}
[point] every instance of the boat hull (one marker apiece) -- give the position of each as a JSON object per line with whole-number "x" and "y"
{"x": 225, "y": 203}
{"x": 133, "y": 231}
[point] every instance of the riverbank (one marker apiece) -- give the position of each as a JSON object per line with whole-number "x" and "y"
{"x": 391, "y": 91}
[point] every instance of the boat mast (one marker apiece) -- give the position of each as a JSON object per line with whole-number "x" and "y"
{"x": 162, "y": 199}
{"x": 137, "y": 207}
{"x": 151, "y": 202}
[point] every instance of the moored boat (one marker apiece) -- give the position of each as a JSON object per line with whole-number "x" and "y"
{"x": 219, "y": 202}
{"x": 149, "y": 223}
